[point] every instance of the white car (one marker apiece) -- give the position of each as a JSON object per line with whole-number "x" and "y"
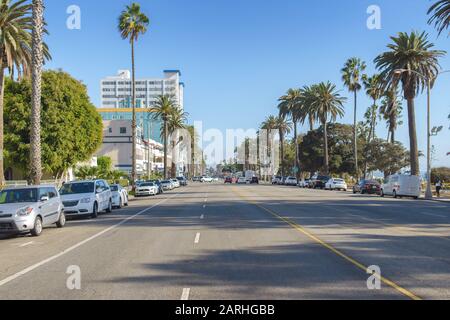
{"x": 82, "y": 198}
{"x": 167, "y": 185}
{"x": 291, "y": 181}
{"x": 399, "y": 185}
{"x": 206, "y": 179}
{"x": 304, "y": 183}
{"x": 146, "y": 189}
{"x": 119, "y": 196}
{"x": 176, "y": 183}
{"x": 336, "y": 184}
{"x": 242, "y": 180}
{"x": 277, "y": 180}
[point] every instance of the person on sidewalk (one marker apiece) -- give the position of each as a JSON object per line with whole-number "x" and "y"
{"x": 438, "y": 188}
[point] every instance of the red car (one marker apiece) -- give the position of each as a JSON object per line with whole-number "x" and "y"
{"x": 367, "y": 187}
{"x": 229, "y": 180}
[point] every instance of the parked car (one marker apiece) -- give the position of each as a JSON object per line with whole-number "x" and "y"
{"x": 319, "y": 182}
{"x": 30, "y": 209}
{"x": 167, "y": 185}
{"x": 254, "y": 180}
{"x": 291, "y": 181}
{"x": 304, "y": 183}
{"x": 176, "y": 183}
{"x": 399, "y": 185}
{"x": 206, "y": 179}
{"x": 119, "y": 196}
{"x": 241, "y": 180}
{"x": 277, "y": 180}
{"x": 196, "y": 179}
{"x": 159, "y": 184}
{"x": 336, "y": 184}
{"x": 82, "y": 198}
{"x": 183, "y": 181}
{"x": 367, "y": 187}
{"x": 146, "y": 189}
{"x": 229, "y": 180}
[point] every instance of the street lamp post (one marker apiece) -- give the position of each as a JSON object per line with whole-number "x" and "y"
{"x": 429, "y": 80}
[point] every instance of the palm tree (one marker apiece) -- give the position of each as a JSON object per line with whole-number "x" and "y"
{"x": 177, "y": 120}
{"x": 374, "y": 89}
{"x": 133, "y": 23}
{"x": 328, "y": 105}
{"x": 390, "y": 110}
{"x": 162, "y": 110}
{"x": 440, "y": 15}
{"x": 291, "y": 106}
{"x": 194, "y": 148}
{"x": 412, "y": 52}
{"x": 269, "y": 125}
{"x": 306, "y": 98}
{"x": 284, "y": 127}
{"x": 352, "y": 75}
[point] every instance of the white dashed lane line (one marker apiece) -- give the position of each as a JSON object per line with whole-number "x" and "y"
{"x": 185, "y": 294}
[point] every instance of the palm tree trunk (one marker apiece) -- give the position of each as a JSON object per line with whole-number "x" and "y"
{"x": 414, "y": 151}
{"x": 2, "y": 94}
{"x": 165, "y": 149}
{"x": 393, "y": 136}
{"x": 133, "y": 123}
{"x": 325, "y": 148}
{"x": 297, "y": 161}
{"x": 311, "y": 123}
{"x": 36, "y": 79}
{"x": 355, "y": 136}
{"x": 282, "y": 152}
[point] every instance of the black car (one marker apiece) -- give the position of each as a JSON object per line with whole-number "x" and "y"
{"x": 183, "y": 181}
{"x": 319, "y": 182}
{"x": 254, "y": 180}
{"x": 367, "y": 187}
{"x": 158, "y": 183}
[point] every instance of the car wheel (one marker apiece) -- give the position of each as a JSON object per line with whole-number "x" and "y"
{"x": 94, "y": 213}
{"x": 109, "y": 210}
{"x": 61, "y": 221}
{"x": 37, "y": 228}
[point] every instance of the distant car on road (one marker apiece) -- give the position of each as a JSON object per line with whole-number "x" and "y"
{"x": 291, "y": 181}
{"x": 146, "y": 189}
{"x": 319, "y": 182}
{"x": 254, "y": 180}
{"x": 336, "y": 184}
{"x": 401, "y": 186}
{"x": 241, "y": 180}
{"x": 82, "y": 198}
{"x": 158, "y": 183}
{"x": 183, "y": 181}
{"x": 277, "y": 180}
{"x": 229, "y": 180}
{"x": 119, "y": 196}
{"x": 206, "y": 179}
{"x": 304, "y": 183}
{"x": 367, "y": 187}
{"x": 176, "y": 183}
{"x": 30, "y": 209}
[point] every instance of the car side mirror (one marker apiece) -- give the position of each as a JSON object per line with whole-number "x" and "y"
{"x": 45, "y": 198}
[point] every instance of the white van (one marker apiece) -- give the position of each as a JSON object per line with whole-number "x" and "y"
{"x": 402, "y": 186}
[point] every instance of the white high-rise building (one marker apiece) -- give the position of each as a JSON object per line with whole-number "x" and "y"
{"x": 116, "y": 90}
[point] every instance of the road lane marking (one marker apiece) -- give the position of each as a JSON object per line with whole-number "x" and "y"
{"x": 202, "y": 217}
{"x": 204, "y": 206}
{"x": 79, "y": 244}
{"x": 26, "y": 244}
{"x": 185, "y": 294}
{"x": 197, "y": 238}
{"x": 316, "y": 239}
{"x": 433, "y": 215}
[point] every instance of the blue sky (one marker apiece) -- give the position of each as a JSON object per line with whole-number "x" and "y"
{"x": 238, "y": 56}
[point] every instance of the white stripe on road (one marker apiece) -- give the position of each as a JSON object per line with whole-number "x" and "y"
{"x": 197, "y": 238}
{"x": 185, "y": 294}
{"x": 433, "y": 215}
{"x": 56, "y": 256}
{"x": 204, "y": 206}
{"x": 26, "y": 244}
{"x": 202, "y": 217}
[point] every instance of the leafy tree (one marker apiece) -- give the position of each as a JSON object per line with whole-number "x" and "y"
{"x": 440, "y": 15}
{"x": 442, "y": 173}
{"x": 104, "y": 164}
{"x": 71, "y": 126}
{"x": 386, "y": 157}
{"x": 133, "y": 23}
{"x": 414, "y": 54}
{"x": 284, "y": 127}
{"x": 391, "y": 111}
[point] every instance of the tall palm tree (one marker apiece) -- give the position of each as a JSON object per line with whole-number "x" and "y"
{"x": 194, "y": 148}
{"x": 440, "y": 15}
{"x": 133, "y": 23}
{"x": 284, "y": 127}
{"x": 412, "y": 52}
{"x": 162, "y": 110}
{"x": 177, "y": 120}
{"x": 291, "y": 106}
{"x": 328, "y": 105}
{"x": 352, "y": 75}
{"x": 269, "y": 125}
{"x": 374, "y": 89}
{"x": 306, "y": 98}
{"x": 390, "y": 110}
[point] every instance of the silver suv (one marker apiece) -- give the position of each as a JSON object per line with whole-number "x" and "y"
{"x": 30, "y": 209}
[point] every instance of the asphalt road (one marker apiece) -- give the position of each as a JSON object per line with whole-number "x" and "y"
{"x": 239, "y": 242}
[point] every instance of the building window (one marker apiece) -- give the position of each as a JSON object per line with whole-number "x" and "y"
{"x": 123, "y": 130}
{"x": 110, "y": 130}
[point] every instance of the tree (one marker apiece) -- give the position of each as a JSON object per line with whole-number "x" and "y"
{"x": 386, "y": 157}
{"x": 291, "y": 106}
{"x": 413, "y": 53}
{"x": 162, "y": 110}
{"x": 391, "y": 111}
{"x": 306, "y": 98}
{"x": 177, "y": 120}
{"x": 71, "y": 129}
{"x": 440, "y": 15}
{"x": 15, "y": 51}
{"x": 284, "y": 127}
{"x": 132, "y": 24}
{"x": 352, "y": 75}
{"x": 269, "y": 125}
{"x": 441, "y": 173}
{"x": 328, "y": 105}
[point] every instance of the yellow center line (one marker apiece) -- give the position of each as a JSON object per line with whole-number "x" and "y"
{"x": 310, "y": 235}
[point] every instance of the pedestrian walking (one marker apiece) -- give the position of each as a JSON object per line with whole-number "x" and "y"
{"x": 438, "y": 188}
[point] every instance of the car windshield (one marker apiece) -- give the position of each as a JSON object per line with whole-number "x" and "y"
{"x": 18, "y": 196}
{"x": 338, "y": 180}
{"x": 147, "y": 184}
{"x": 370, "y": 182}
{"x": 166, "y": 181}
{"x": 77, "y": 188}
{"x": 180, "y": 178}
{"x": 114, "y": 188}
